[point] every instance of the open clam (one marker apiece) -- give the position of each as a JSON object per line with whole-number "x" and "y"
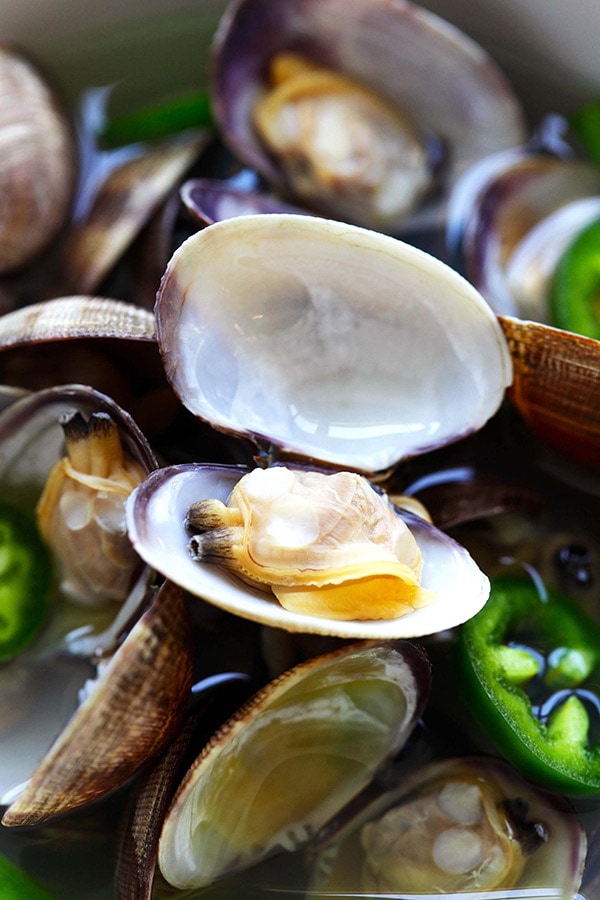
{"x": 332, "y": 129}
{"x": 269, "y": 328}
{"x": 461, "y": 825}
{"x": 290, "y": 758}
{"x": 327, "y": 341}
{"x": 40, "y": 684}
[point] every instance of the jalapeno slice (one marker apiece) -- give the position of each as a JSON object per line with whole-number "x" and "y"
{"x": 155, "y": 122}
{"x": 529, "y": 666}
{"x": 575, "y": 288}
{"x": 25, "y": 581}
{"x": 17, "y": 885}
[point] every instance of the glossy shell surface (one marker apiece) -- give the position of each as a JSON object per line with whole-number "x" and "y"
{"x": 156, "y": 513}
{"x": 555, "y": 387}
{"x": 328, "y": 341}
{"x": 290, "y": 758}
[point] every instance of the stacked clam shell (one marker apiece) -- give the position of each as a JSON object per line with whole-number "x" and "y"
{"x": 512, "y": 215}
{"x": 335, "y": 351}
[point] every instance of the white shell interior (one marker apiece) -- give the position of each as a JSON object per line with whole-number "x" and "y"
{"x": 328, "y": 340}
{"x": 155, "y": 515}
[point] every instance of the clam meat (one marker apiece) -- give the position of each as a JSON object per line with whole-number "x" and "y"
{"x": 81, "y": 511}
{"x": 157, "y": 512}
{"x": 326, "y": 544}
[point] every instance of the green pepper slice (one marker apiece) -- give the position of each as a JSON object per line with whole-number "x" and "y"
{"x": 163, "y": 120}
{"x": 17, "y": 885}
{"x": 25, "y": 581}
{"x": 575, "y": 286}
{"x": 529, "y": 670}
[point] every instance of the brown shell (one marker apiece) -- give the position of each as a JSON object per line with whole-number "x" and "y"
{"x": 555, "y": 387}
{"x": 38, "y": 164}
{"x": 131, "y": 714}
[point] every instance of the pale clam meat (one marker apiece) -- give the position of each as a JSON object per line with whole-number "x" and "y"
{"x": 80, "y": 513}
{"x": 325, "y": 544}
{"x": 156, "y": 514}
{"x": 290, "y": 758}
{"x": 327, "y": 341}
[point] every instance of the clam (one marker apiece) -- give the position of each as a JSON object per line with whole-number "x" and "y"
{"x": 210, "y": 200}
{"x": 269, "y": 328}
{"x": 51, "y": 670}
{"x": 461, "y": 825}
{"x": 131, "y": 713}
{"x": 509, "y": 218}
{"x": 555, "y": 386}
{"x": 37, "y": 172}
{"x": 156, "y": 514}
{"x": 79, "y": 496}
{"x": 122, "y": 206}
{"x": 290, "y": 758}
{"x": 302, "y": 92}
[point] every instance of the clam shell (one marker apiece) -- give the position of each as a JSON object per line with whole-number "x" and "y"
{"x": 132, "y": 713}
{"x": 122, "y": 207}
{"x": 210, "y": 201}
{"x": 555, "y": 386}
{"x": 497, "y": 202}
{"x": 155, "y": 520}
{"x": 328, "y": 341}
{"x": 435, "y": 74}
{"x": 38, "y": 167}
{"x": 64, "y": 318}
{"x": 291, "y": 757}
{"x": 531, "y": 267}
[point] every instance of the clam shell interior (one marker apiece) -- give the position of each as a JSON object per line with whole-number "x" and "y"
{"x": 328, "y": 340}
{"x": 155, "y": 515}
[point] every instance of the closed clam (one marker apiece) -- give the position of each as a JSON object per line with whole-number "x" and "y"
{"x": 302, "y": 92}
{"x": 38, "y": 168}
